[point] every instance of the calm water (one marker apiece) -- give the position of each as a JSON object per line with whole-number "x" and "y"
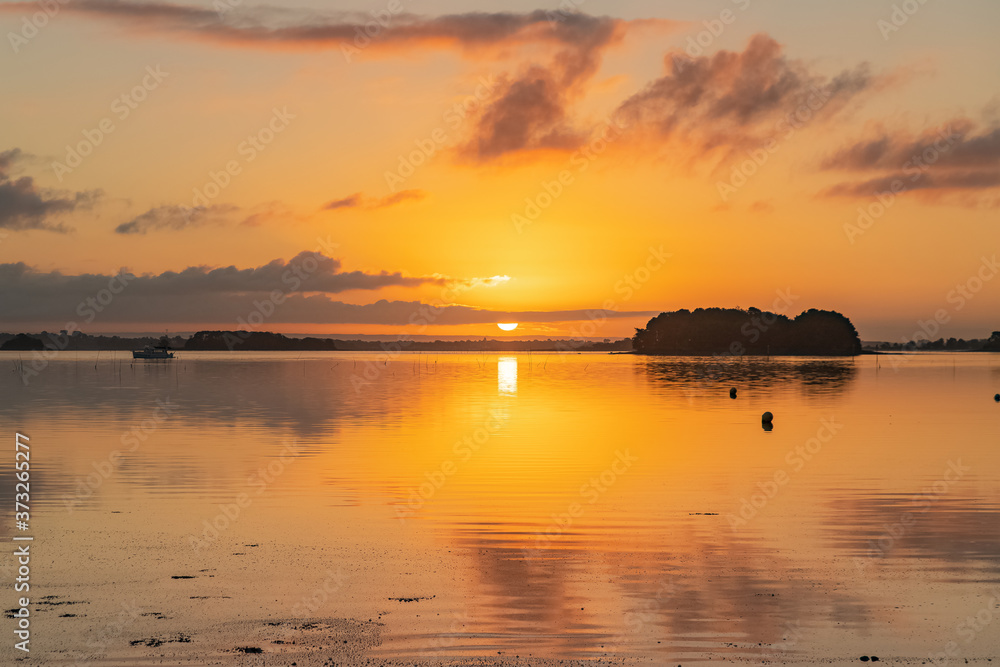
{"x": 558, "y": 505}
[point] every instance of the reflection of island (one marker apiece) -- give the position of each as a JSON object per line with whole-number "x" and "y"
{"x": 811, "y": 376}
{"x": 737, "y": 332}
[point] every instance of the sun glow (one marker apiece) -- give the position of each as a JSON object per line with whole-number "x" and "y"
{"x": 507, "y": 326}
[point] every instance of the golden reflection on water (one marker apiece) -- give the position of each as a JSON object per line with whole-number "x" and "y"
{"x": 570, "y": 505}
{"x": 507, "y": 375}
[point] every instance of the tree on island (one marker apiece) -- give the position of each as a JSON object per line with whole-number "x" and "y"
{"x": 23, "y": 343}
{"x": 734, "y": 331}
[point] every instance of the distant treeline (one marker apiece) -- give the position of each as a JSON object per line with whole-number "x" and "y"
{"x": 255, "y": 340}
{"x": 268, "y": 341}
{"x": 734, "y": 331}
{"x": 991, "y": 344}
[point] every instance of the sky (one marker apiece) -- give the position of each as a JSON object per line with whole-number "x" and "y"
{"x": 434, "y": 168}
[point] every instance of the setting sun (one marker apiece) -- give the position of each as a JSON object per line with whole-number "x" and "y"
{"x": 507, "y": 326}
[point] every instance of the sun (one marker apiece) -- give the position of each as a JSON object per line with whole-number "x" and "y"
{"x": 507, "y": 326}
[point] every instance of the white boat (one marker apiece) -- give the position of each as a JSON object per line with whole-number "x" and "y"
{"x": 161, "y": 351}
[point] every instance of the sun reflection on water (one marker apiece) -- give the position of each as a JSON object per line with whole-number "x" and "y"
{"x": 507, "y": 375}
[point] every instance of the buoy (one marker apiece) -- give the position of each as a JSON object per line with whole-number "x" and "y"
{"x": 767, "y": 417}
{"x": 732, "y": 393}
{"x": 996, "y": 397}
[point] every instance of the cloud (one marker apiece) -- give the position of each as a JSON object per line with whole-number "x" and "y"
{"x": 732, "y": 100}
{"x": 529, "y": 111}
{"x": 953, "y": 145}
{"x": 354, "y": 201}
{"x": 954, "y": 163}
{"x": 272, "y": 27}
{"x": 903, "y": 181}
{"x": 174, "y": 217}
{"x": 225, "y": 294}
{"x": 23, "y": 205}
{"x": 306, "y": 272}
{"x": 358, "y": 200}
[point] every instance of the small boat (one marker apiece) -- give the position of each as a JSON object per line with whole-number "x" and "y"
{"x": 156, "y": 352}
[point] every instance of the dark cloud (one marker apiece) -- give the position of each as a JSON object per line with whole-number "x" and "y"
{"x": 358, "y": 200}
{"x": 174, "y": 217}
{"x": 953, "y": 145}
{"x": 954, "y": 158}
{"x": 221, "y": 295}
{"x": 528, "y": 112}
{"x": 735, "y": 100}
{"x": 400, "y": 197}
{"x": 263, "y": 26}
{"x": 23, "y": 205}
{"x": 354, "y": 201}
{"x": 904, "y": 182}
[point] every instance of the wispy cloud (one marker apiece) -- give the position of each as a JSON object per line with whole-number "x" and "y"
{"x": 359, "y": 200}
{"x": 957, "y": 162}
{"x": 560, "y": 52}
{"x": 732, "y": 100}
{"x": 173, "y": 217}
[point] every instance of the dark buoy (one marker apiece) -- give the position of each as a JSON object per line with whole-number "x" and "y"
{"x": 767, "y": 417}
{"x": 996, "y": 397}
{"x": 767, "y": 426}
{"x": 732, "y": 393}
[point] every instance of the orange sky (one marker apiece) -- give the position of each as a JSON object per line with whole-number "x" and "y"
{"x": 459, "y": 147}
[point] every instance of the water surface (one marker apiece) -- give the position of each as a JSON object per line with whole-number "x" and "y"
{"x": 551, "y": 505}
